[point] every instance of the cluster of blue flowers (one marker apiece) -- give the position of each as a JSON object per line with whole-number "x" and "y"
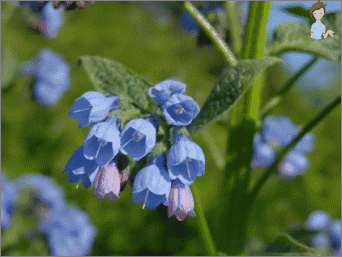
{"x": 275, "y": 134}
{"x": 327, "y": 232}
{"x": 52, "y": 18}
{"x": 68, "y": 229}
{"x": 167, "y": 178}
{"x": 52, "y": 76}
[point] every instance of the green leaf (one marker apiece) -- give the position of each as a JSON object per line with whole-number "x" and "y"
{"x": 112, "y": 78}
{"x": 295, "y": 36}
{"x": 298, "y": 10}
{"x": 231, "y": 84}
{"x": 9, "y": 65}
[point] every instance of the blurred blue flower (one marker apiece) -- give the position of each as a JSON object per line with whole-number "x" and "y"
{"x": 334, "y": 232}
{"x": 45, "y": 190}
{"x": 180, "y": 110}
{"x": 189, "y": 24}
{"x": 321, "y": 241}
{"x": 185, "y": 160}
{"x": 92, "y": 107}
{"x": 34, "y": 5}
{"x": 70, "y": 232}
{"x": 306, "y": 144}
{"x": 263, "y": 154}
{"x": 52, "y": 76}
{"x": 181, "y": 201}
{"x": 162, "y": 91}
{"x": 293, "y": 165}
{"x": 152, "y": 184}
{"x": 318, "y": 220}
{"x": 52, "y": 20}
{"x": 78, "y": 167}
{"x": 138, "y": 137}
{"x": 103, "y": 141}
{"x": 107, "y": 182}
{"x": 9, "y": 193}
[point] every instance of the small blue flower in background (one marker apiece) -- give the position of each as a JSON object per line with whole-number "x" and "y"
{"x": 189, "y": 24}
{"x": 152, "y": 184}
{"x": 103, "y": 141}
{"x": 9, "y": 195}
{"x": 78, "y": 167}
{"x": 293, "y": 165}
{"x": 334, "y": 232}
{"x": 52, "y": 20}
{"x": 321, "y": 240}
{"x": 162, "y": 91}
{"x": 45, "y": 190}
{"x": 52, "y": 76}
{"x": 181, "y": 201}
{"x": 185, "y": 160}
{"x": 263, "y": 154}
{"x": 70, "y": 232}
{"x": 275, "y": 134}
{"x": 92, "y": 107}
{"x": 180, "y": 110}
{"x": 318, "y": 220}
{"x": 107, "y": 182}
{"x": 138, "y": 137}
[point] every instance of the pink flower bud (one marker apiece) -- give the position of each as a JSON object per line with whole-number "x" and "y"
{"x": 107, "y": 182}
{"x": 181, "y": 201}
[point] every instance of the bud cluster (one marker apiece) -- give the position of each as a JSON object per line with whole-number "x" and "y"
{"x": 167, "y": 178}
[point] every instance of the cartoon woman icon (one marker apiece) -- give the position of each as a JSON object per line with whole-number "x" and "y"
{"x": 317, "y": 11}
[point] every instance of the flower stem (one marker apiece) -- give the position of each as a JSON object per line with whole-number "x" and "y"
{"x": 234, "y": 29}
{"x": 274, "y": 102}
{"x": 308, "y": 127}
{"x": 209, "y": 30}
{"x": 209, "y": 243}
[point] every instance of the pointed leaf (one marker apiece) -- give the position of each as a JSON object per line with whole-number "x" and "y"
{"x": 231, "y": 84}
{"x": 298, "y": 10}
{"x": 295, "y": 36}
{"x": 112, "y": 78}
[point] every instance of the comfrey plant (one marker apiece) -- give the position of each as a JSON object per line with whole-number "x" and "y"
{"x": 275, "y": 134}
{"x": 109, "y": 141}
{"x": 40, "y": 203}
{"x": 51, "y": 76}
{"x": 150, "y": 128}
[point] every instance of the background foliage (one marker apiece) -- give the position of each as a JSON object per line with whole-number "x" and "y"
{"x": 40, "y": 139}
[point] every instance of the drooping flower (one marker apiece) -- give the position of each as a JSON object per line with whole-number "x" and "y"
{"x": 152, "y": 184}
{"x": 180, "y": 110}
{"x": 321, "y": 241}
{"x": 138, "y": 137}
{"x": 334, "y": 232}
{"x": 9, "y": 194}
{"x": 162, "y": 91}
{"x": 102, "y": 143}
{"x": 185, "y": 160}
{"x": 107, "y": 182}
{"x": 70, "y": 232}
{"x": 181, "y": 201}
{"x": 92, "y": 107}
{"x": 318, "y": 220}
{"x": 78, "y": 167}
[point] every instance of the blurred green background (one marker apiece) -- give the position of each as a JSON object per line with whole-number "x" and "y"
{"x": 41, "y": 139}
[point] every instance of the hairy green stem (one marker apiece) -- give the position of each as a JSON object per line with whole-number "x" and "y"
{"x": 233, "y": 25}
{"x": 207, "y": 238}
{"x": 308, "y": 127}
{"x": 274, "y": 102}
{"x": 205, "y": 25}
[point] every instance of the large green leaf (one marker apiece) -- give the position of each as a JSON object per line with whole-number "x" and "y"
{"x": 298, "y": 10}
{"x": 112, "y": 78}
{"x": 229, "y": 87}
{"x": 294, "y": 36}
